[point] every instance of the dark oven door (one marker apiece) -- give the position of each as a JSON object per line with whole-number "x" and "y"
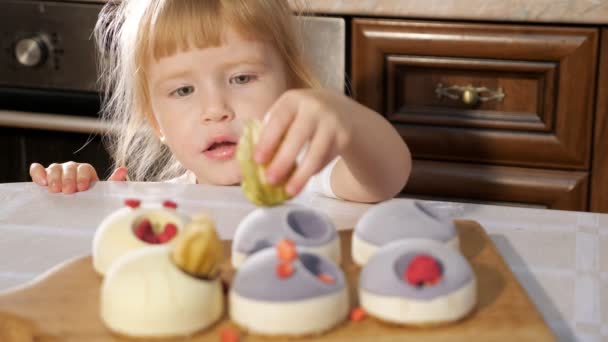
{"x": 49, "y": 102}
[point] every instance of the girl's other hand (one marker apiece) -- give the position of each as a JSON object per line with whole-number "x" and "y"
{"x": 70, "y": 177}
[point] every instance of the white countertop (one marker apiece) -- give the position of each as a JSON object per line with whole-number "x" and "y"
{"x": 538, "y": 11}
{"x": 560, "y": 257}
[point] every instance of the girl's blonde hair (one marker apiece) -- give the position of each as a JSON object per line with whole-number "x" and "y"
{"x": 131, "y": 33}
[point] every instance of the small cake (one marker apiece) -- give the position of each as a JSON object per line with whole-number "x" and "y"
{"x": 312, "y": 232}
{"x": 166, "y": 291}
{"x": 280, "y": 293}
{"x": 399, "y": 219}
{"x": 133, "y": 227}
{"x": 417, "y": 282}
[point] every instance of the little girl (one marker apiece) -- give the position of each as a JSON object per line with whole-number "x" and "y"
{"x": 183, "y": 76}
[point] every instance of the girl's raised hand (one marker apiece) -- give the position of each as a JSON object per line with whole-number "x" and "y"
{"x": 317, "y": 119}
{"x": 70, "y": 177}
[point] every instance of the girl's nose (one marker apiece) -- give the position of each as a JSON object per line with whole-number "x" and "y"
{"x": 217, "y": 115}
{"x": 215, "y": 104}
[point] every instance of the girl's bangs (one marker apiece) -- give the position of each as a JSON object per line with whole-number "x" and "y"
{"x": 180, "y": 25}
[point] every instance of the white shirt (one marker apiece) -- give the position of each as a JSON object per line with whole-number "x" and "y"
{"x": 319, "y": 184}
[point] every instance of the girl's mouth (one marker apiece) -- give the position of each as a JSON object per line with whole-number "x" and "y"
{"x": 221, "y": 150}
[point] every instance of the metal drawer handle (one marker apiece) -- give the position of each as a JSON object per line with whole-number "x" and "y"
{"x": 468, "y": 94}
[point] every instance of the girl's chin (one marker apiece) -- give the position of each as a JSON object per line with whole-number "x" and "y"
{"x": 227, "y": 174}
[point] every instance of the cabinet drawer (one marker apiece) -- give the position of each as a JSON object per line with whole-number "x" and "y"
{"x": 554, "y": 189}
{"x": 501, "y": 94}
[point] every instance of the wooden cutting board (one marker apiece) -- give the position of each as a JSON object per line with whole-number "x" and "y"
{"x": 63, "y": 305}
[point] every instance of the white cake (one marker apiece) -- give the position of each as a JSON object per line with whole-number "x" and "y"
{"x": 311, "y": 230}
{"x": 309, "y": 299}
{"x": 446, "y": 289}
{"x": 116, "y": 235}
{"x": 144, "y": 294}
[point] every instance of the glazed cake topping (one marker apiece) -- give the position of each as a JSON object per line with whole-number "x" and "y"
{"x": 132, "y": 203}
{"x": 260, "y": 277}
{"x": 423, "y": 270}
{"x": 145, "y": 232}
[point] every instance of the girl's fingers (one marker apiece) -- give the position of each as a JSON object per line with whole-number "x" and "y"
{"x": 321, "y": 151}
{"x": 68, "y": 177}
{"x": 85, "y": 174}
{"x": 119, "y": 175}
{"x": 298, "y": 134}
{"x": 279, "y": 118}
{"x": 38, "y": 174}
{"x": 53, "y": 176}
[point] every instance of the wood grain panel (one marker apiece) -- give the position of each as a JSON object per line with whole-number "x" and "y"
{"x": 599, "y": 173}
{"x": 547, "y": 188}
{"x": 528, "y": 88}
{"x": 572, "y": 50}
{"x": 12, "y": 164}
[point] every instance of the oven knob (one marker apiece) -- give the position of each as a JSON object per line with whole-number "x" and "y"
{"x": 32, "y": 51}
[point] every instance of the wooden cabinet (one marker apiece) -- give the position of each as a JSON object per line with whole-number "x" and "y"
{"x": 25, "y": 146}
{"x": 599, "y": 184}
{"x": 491, "y": 112}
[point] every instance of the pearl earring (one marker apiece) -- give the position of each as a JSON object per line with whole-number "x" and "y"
{"x": 162, "y": 139}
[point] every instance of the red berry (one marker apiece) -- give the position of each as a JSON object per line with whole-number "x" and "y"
{"x": 153, "y": 239}
{"x": 423, "y": 270}
{"x": 284, "y": 270}
{"x": 132, "y": 203}
{"x": 170, "y": 204}
{"x": 357, "y": 314}
{"x": 143, "y": 228}
{"x": 167, "y": 234}
{"x": 145, "y": 232}
{"x": 326, "y": 278}
{"x": 229, "y": 335}
{"x": 286, "y": 250}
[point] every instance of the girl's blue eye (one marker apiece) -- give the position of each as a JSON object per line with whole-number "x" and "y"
{"x": 184, "y": 91}
{"x": 242, "y": 79}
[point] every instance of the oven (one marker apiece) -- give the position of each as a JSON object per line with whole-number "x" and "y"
{"x": 49, "y": 103}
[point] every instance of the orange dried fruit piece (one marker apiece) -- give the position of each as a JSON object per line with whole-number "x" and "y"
{"x": 286, "y": 250}
{"x": 357, "y": 314}
{"x": 285, "y": 270}
{"x": 326, "y": 278}
{"x": 229, "y": 335}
